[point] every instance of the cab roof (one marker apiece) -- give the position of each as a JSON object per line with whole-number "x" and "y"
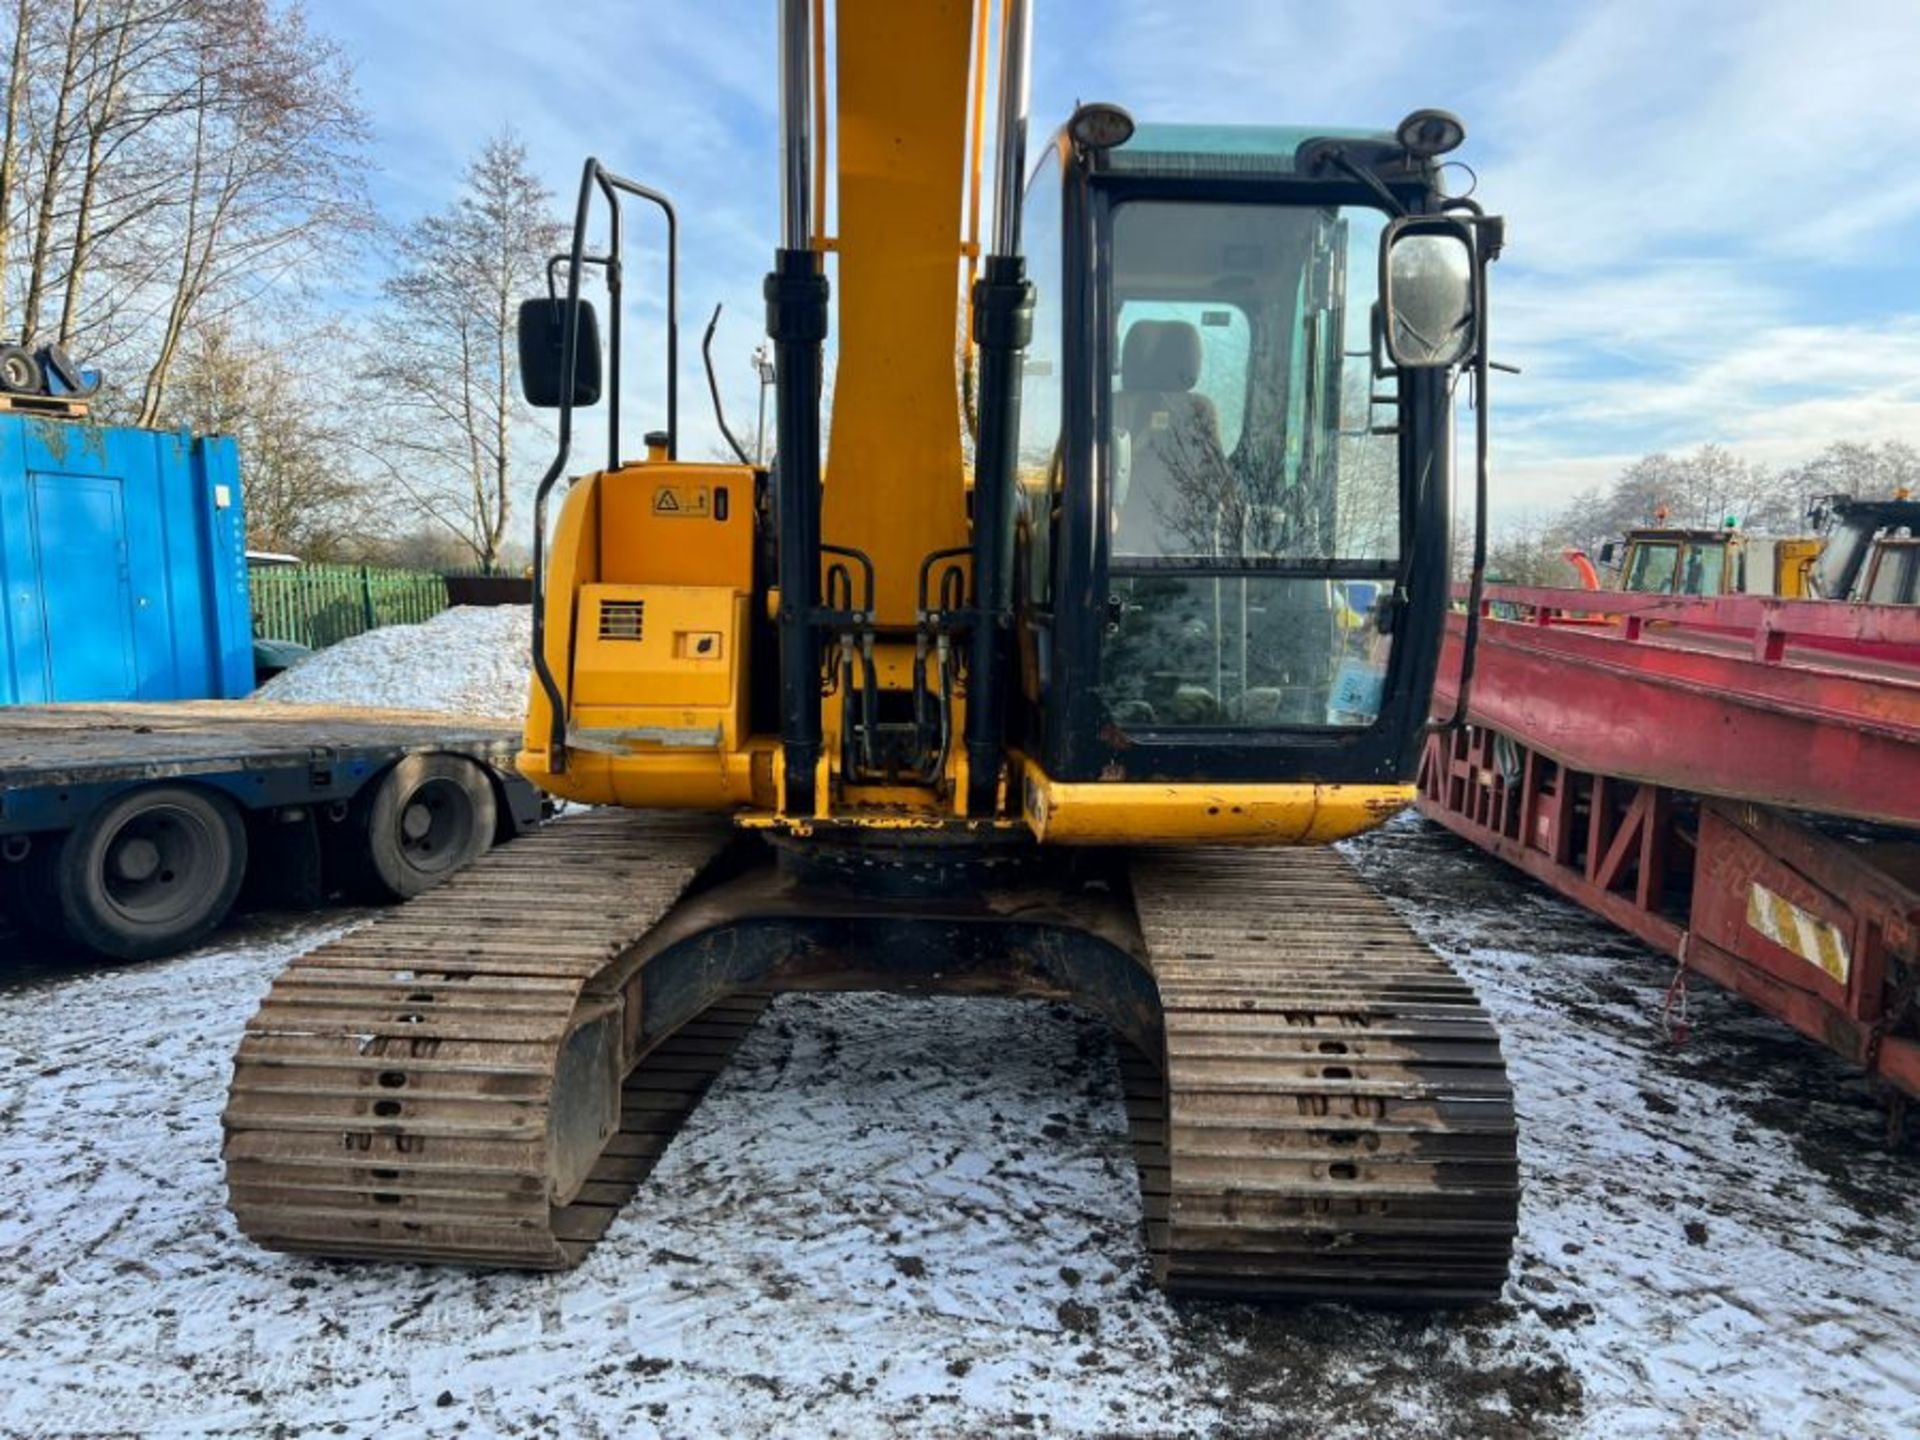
{"x": 1234, "y": 151}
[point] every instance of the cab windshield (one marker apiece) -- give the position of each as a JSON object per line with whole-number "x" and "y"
{"x": 1669, "y": 567}
{"x": 1254, "y": 495}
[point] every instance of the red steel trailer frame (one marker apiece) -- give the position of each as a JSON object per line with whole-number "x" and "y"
{"x": 1673, "y": 765}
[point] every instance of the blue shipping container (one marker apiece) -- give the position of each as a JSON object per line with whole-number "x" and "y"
{"x": 123, "y": 557}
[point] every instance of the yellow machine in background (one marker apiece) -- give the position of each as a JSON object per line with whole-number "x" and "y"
{"x": 1663, "y": 560}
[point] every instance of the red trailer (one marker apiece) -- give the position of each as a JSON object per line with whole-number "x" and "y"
{"x": 1736, "y": 780}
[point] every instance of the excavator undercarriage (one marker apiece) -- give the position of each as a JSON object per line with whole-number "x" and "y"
{"x": 1317, "y": 1104}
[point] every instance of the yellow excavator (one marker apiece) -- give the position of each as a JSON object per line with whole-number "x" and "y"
{"x": 1114, "y": 599}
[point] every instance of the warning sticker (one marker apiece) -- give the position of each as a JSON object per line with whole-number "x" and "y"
{"x": 682, "y": 502}
{"x": 1814, "y": 940}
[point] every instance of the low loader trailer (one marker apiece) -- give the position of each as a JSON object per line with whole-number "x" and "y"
{"x": 1734, "y": 779}
{"x": 132, "y": 829}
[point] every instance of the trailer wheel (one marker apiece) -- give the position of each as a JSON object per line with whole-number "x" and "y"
{"x": 151, "y": 872}
{"x": 429, "y": 816}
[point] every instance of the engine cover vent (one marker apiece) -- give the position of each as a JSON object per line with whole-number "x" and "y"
{"x": 622, "y": 619}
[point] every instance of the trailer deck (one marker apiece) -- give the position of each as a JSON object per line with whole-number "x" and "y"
{"x": 1805, "y": 704}
{"x": 1734, "y": 780}
{"x": 272, "y": 753}
{"x": 128, "y": 825}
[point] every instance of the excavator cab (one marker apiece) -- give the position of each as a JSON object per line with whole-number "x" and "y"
{"x": 1703, "y": 562}
{"x": 1680, "y": 562}
{"x": 1234, "y": 516}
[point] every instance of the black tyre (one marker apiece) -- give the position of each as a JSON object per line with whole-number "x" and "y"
{"x": 56, "y": 363}
{"x": 151, "y": 872}
{"x": 20, "y": 372}
{"x": 429, "y": 816}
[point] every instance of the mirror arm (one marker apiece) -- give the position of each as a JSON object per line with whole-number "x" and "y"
{"x": 565, "y": 257}
{"x": 1482, "y": 433}
{"x": 1338, "y": 156}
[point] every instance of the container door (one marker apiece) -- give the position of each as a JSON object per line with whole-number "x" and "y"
{"x": 86, "y": 595}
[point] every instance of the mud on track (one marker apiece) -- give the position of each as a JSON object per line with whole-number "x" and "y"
{"x": 919, "y": 1215}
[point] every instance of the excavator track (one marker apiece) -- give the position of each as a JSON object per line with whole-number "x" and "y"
{"x": 398, "y": 1093}
{"x": 1327, "y": 1116}
{"x": 1333, "y": 1118}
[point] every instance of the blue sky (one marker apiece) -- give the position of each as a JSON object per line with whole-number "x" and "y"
{"x": 1714, "y": 207}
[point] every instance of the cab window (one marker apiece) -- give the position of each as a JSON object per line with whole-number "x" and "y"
{"x": 1254, "y": 511}
{"x": 1652, "y": 569}
{"x": 1706, "y": 567}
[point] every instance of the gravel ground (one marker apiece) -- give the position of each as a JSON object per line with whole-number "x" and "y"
{"x": 919, "y": 1216}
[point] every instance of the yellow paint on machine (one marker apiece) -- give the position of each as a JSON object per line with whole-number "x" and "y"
{"x": 1820, "y": 943}
{"x": 894, "y": 477}
{"x": 1201, "y": 813}
{"x": 646, "y": 633}
{"x": 655, "y": 779}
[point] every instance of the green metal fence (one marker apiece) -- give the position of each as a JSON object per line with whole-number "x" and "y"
{"x": 320, "y": 605}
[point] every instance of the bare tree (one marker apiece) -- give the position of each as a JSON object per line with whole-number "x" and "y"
{"x": 442, "y": 369}
{"x": 166, "y": 162}
{"x": 1704, "y": 490}
{"x": 303, "y": 495}
{"x": 1864, "y": 471}
{"x": 274, "y": 179}
{"x": 1333, "y": 493}
{"x": 17, "y": 70}
{"x": 1710, "y": 488}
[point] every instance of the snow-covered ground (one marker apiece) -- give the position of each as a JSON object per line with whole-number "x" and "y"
{"x": 470, "y": 660}
{"x": 897, "y": 1216}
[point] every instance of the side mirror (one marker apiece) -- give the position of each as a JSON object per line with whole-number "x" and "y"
{"x": 1608, "y": 551}
{"x": 543, "y": 331}
{"x": 1429, "y": 292}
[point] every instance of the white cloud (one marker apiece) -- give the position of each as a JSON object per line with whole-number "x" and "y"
{"x": 1691, "y": 184}
{"x": 1762, "y": 129}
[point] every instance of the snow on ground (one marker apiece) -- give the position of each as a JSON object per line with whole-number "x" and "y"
{"x": 1717, "y": 1232}
{"x": 918, "y": 1216}
{"x": 470, "y": 660}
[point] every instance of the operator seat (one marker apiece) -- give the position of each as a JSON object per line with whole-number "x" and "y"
{"x": 1174, "y": 435}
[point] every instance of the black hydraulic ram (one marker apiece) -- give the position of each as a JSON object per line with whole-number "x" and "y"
{"x": 1002, "y": 326}
{"x": 796, "y": 294}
